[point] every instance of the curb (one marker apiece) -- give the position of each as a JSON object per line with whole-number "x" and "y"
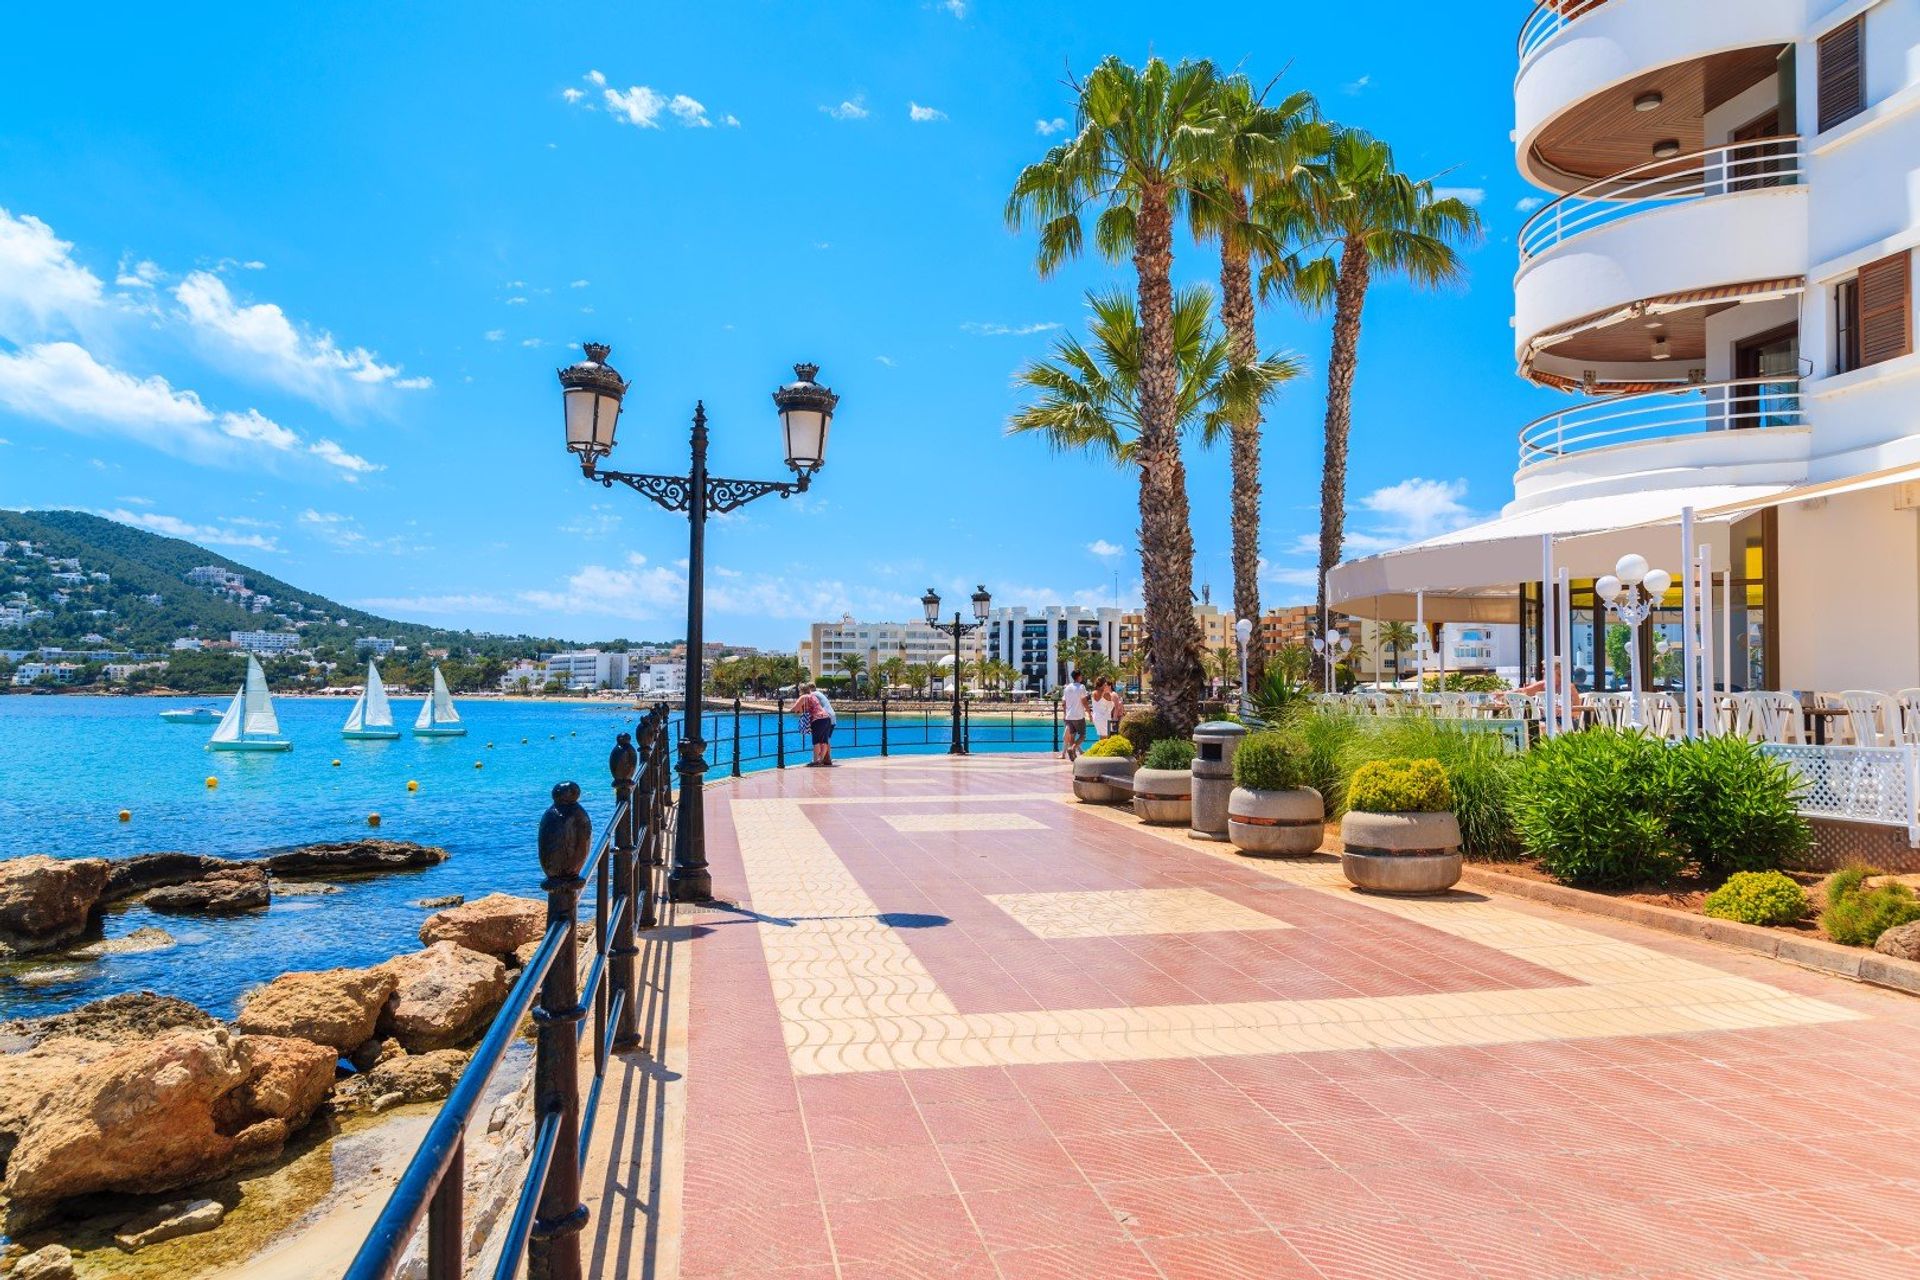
{"x": 1809, "y": 953}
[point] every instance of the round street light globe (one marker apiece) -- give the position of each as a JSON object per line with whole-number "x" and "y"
{"x": 1632, "y": 569}
{"x": 1657, "y": 583}
{"x": 1243, "y": 629}
{"x": 1607, "y": 588}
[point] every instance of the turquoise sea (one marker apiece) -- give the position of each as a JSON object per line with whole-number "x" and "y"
{"x": 69, "y": 765}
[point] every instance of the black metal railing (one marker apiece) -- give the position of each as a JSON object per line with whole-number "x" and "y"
{"x": 627, "y": 868}
{"x": 741, "y": 739}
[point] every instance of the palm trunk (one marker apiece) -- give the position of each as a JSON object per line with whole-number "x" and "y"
{"x": 1166, "y": 532}
{"x": 1236, "y": 313}
{"x": 1350, "y": 295}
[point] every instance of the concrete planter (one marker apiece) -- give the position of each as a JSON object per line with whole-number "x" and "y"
{"x": 1163, "y": 797}
{"x": 1401, "y": 852}
{"x": 1276, "y": 824}
{"x": 1103, "y": 779}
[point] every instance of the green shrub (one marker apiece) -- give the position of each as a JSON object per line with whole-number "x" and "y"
{"x": 1593, "y": 806}
{"x": 1327, "y": 737}
{"x": 1459, "y": 682}
{"x": 1109, "y": 747}
{"x": 1734, "y": 808}
{"x": 1400, "y": 786}
{"x": 1479, "y": 770}
{"x": 1142, "y": 729}
{"x": 1171, "y": 753}
{"x": 1759, "y": 897}
{"x": 1272, "y": 761}
{"x": 1857, "y": 915}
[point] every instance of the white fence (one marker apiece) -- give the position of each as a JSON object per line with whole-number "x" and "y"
{"x": 1877, "y": 785}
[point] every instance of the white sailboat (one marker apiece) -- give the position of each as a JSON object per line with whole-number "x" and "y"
{"x": 371, "y": 717}
{"x": 437, "y": 717}
{"x": 250, "y": 724}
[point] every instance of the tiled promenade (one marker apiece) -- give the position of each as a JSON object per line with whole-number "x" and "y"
{"x": 959, "y": 1026}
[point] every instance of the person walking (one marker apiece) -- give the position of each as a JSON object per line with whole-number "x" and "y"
{"x": 1073, "y": 710}
{"x": 822, "y": 730}
{"x": 1105, "y": 708}
{"x": 805, "y": 708}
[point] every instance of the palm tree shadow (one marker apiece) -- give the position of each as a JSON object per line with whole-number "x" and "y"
{"x": 891, "y": 919}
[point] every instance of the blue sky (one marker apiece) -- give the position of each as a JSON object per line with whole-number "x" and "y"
{"x": 293, "y": 282}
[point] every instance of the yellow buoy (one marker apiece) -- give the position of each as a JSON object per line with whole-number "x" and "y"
{"x": 336, "y": 764}
{"x": 212, "y": 782}
{"x": 126, "y": 815}
{"x": 413, "y": 786}
{"x": 373, "y": 819}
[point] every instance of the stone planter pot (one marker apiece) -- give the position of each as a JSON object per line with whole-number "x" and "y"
{"x": 1276, "y": 824}
{"x": 1401, "y": 852}
{"x": 1103, "y": 779}
{"x": 1163, "y": 797}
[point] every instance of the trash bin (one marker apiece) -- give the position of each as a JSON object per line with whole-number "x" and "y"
{"x": 1217, "y": 742}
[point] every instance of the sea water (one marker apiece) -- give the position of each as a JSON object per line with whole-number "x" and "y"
{"x": 70, "y": 764}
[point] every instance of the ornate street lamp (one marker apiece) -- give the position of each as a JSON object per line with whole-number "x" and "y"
{"x": 1631, "y": 593}
{"x": 982, "y": 606}
{"x": 591, "y": 392}
{"x": 1332, "y": 648}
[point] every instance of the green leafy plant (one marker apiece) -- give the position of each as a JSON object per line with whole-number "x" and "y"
{"x": 1171, "y": 753}
{"x": 1143, "y": 729}
{"x": 1759, "y": 897}
{"x": 1111, "y": 747}
{"x": 1400, "y": 786}
{"x": 1275, "y": 760}
{"x": 1462, "y": 682}
{"x": 1593, "y": 808}
{"x": 1734, "y": 808}
{"x": 1479, "y": 770}
{"x": 1857, "y": 915}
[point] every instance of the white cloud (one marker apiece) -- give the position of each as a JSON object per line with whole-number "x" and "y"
{"x": 689, "y": 112}
{"x": 1047, "y": 128}
{"x": 1421, "y": 508}
{"x": 731, "y": 121}
{"x": 1475, "y": 196}
{"x": 454, "y": 603}
{"x": 851, "y": 109}
{"x": 1356, "y": 86}
{"x": 1007, "y": 330}
{"x": 1527, "y": 204}
{"x": 495, "y": 335}
{"x": 253, "y": 264}
{"x": 635, "y": 590}
{"x": 579, "y": 284}
{"x": 884, "y": 360}
{"x": 532, "y": 342}
{"x": 41, "y": 287}
{"x": 924, "y": 115}
{"x": 594, "y": 77}
{"x": 307, "y": 363}
{"x": 61, "y": 381}
{"x": 256, "y": 428}
{"x": 143, "y": 274}
{"x": 516, "y": 302}
{"x": 573, "y": 95}
{"x": 352, "y": 466}
{"x": 419, "y": 383}
{"x": 1104, "y": 549}
{"x": 207, "y": 535}
{"x": 638, "y": 106}
{"x": 958, "y": 8}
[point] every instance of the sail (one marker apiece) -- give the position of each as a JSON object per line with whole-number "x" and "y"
{"x": 425, "y": 719}
{"x": 260, "y": 717}
{"x": 356, "y": 718}
{"x": 229, "y": 730}
{"x": 378, "y": 714}
{"x": 443, "y": 712}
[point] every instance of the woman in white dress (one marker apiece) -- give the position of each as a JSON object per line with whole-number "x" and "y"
{"x": 1104, "y": 710}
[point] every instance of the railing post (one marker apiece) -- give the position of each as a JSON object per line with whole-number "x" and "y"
{"x": 1056, "y": 724}
{"x": 736, "y": 737}
{"x": 446, "y": 1221}
{"x": 624, "y": 763}
{"x": 780, "y": 731}
{"x": 883, "y": 724}
{"x": 566, "y": 837}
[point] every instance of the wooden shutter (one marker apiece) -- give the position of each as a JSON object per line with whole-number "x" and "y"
{"x": 1886, "y": 308}
{"x": 1843, "y": 73}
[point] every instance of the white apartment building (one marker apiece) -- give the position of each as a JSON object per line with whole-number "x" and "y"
{"x": 533, "y": 673}
{"x": 1031, "y": 640}
{"x": 588, "y": 669}
{"x": 660, "y": 679}
{"x": 378, "y": 646}
{"x": 873, "y": 642}
{"x": 212, "y": 575}
{"x": 1719, "y": 284}
{"x": 28, "y": 673}
{"x": 265, "y": 642}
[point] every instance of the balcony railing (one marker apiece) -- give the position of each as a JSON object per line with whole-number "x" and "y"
{"x": 1547, "y": 20}
{"x": 1739, "y": 166}
{"x": 1743, "y": 404}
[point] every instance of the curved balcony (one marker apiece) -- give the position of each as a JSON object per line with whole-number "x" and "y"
{"x": 1742, "y": 166}
{"x": 1548, "y": 19}
{"x": 1693, "y": 410}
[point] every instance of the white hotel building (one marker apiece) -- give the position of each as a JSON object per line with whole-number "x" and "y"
{"x": 1719, "y": 281}
{"x": 1031, "y": 639}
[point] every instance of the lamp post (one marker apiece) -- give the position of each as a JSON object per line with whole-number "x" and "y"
{"x": 1331, "y": 647}
{"x": 1631, "y": 593}
{"x": 1243, "y": 632}
{"x": 982, "y": 606}
{"x": 591, "y": 394}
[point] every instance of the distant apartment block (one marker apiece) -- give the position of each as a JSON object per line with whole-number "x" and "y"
{"x": 1036, "y": 641}
{"x": 589, "y": 669}
{"x": 265, "y": 642}
{"x": 212, "y": 575}
{"x": 30, "y": 673}
{"x": 872, "y": 642}
{"x": 532, "y": 676}
{"x": 660, "y": 679}
{"x": 378, "y": 646}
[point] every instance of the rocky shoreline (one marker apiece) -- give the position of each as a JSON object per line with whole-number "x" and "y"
{"x": 124, "y": 1122}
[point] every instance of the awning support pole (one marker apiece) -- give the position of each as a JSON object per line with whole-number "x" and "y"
{"x": 1420, "y": 649}
{"x": 1689, "y": 641}
{"x": 1569, "y": 695}
{"x": 1550, "y": 721}
{"x": 1726, "y": 615}
{"x": 1709, "y": 708}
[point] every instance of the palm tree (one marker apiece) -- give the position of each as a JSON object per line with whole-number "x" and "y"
{"x": 854, "y": 666}
{"x": 1396, "y": 636}
{"x": 1356, "y": 217}
{"x": 1145, "y": 138}
{"x": 1262, "y": 145}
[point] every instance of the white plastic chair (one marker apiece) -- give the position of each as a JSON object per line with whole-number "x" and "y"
{"x": 1909, "y": 703}
{"x": 1660, "y": 715}
{"x": 1776, "y": 717}
{"x": 1873, "y": 719}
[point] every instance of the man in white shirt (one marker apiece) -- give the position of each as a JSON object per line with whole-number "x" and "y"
{"x": 1073, "y": 709}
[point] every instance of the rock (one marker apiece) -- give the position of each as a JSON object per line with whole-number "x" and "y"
{"x": 496, "y": 925}
{"x": 129, "y": 877}
{"x": 1911, "y": 880}
{"x": 55, "y": 1262}
{"x": 353, "y": 857}
{"x": 169, "y": 1222}
{"x": 334, "y": 1007}
{"x": 445, "y": 900}
{"x": 224, "y": 893}
{"x": 374, "y": 1052}
{"x": 424, "y": 1077}
{"x": 522, "y": 954}
{"x": 121, "y": 1019}
{"x": 286, "y": 1078}
{"x": 1902, "y": 942}
{"x": 144, "y": 939}
{"x": 297, "y": 889}
{"x": 385, "y": 1102}
{"x": 444, "y": 996}
{"x": 51, "y": 975}
{"x": 45, "y": 901}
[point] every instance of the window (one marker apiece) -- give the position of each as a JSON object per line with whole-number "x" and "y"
{"x": 1846, "y": 328}
{"x": 1842, "y": 73}
{"x": 1873, "y": 314}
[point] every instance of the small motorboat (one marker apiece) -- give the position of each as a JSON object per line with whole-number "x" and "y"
{"x": 192, "y": 715}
